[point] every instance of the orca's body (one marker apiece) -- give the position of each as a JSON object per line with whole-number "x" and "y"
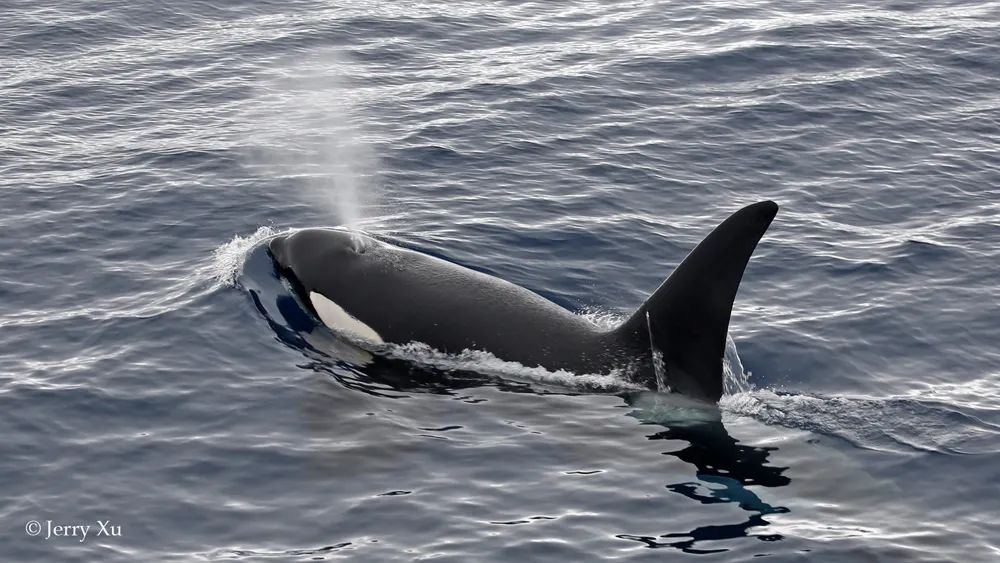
{"x": 380, "y": 292}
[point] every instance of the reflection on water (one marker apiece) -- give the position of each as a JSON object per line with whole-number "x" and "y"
{"x": 724, "y": 468}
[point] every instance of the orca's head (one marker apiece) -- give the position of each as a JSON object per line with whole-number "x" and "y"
{"x": 315, "y": 259}
{"x": 323, "y": 267}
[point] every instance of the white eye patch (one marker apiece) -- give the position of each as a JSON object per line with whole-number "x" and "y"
{"x": 337, "y": 319}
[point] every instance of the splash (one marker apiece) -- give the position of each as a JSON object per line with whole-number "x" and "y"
{"x": 306, "y": 124}
{"x": 734, "y": 378}
{"x": 487, "y": 364}
{"x": 227, "y": 260}
{"x": 603, "y": 318}
{"x": 222, "y": 271}
{"x": 659, "y": 365}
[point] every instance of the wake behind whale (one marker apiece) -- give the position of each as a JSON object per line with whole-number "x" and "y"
{"x": 381, "y": 293}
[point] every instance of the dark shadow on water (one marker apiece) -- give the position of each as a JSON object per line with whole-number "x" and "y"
{"x": 724, "y": 468}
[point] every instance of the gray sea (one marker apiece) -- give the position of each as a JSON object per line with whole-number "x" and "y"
{"x": 152, "y": 382}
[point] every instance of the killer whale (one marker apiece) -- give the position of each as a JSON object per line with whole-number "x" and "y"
{"x": 379, "y": 292}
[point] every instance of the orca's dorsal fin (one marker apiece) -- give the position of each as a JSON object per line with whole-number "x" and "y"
{"x": 686, "y": 320}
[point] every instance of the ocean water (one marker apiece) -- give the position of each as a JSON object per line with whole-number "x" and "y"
{"x": 154, "y": 378}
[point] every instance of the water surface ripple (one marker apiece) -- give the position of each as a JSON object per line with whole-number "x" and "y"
{"x": 154, "y": 373}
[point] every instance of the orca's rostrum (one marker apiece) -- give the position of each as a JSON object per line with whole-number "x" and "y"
{"x": 379, "y": 292}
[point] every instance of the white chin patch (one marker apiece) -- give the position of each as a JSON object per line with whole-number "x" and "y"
{"x": 339, "y": 320}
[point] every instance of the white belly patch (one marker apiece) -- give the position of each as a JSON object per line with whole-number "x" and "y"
{"x": 337, "y": 319}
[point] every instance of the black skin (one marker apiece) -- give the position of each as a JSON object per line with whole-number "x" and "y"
{"x": 407, "y": 296}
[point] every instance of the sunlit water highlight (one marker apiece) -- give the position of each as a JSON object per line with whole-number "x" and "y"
{"x": 151, "y": 375}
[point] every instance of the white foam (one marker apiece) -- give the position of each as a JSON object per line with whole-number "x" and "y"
{"x": 479, "y": 361}
{"x": 604, "y": 318}
{"x": 228, "y": 259}
{"x": 734, "y": 378}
